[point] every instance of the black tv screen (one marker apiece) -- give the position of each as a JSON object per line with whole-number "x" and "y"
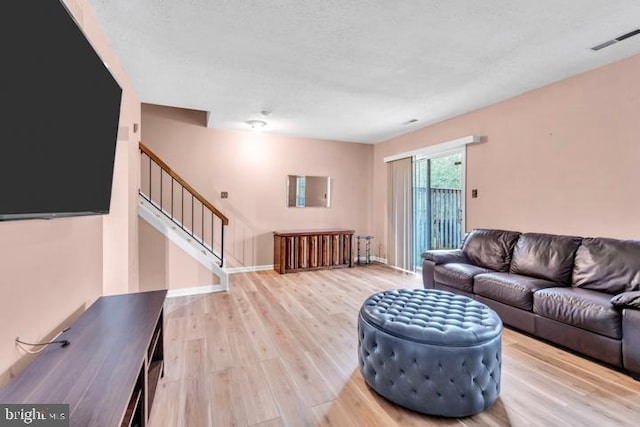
{"x": 60, "y": 112}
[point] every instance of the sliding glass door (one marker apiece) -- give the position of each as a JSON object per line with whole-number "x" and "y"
{"x": 437, "y": 203}
{"x": 426, "y": 206}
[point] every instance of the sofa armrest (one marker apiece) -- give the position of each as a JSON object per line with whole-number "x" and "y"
{"x": 631, "y": 341}
{"x": 432, "y": 258}
{"x": 627, "y": 300}
{"x": 445, "y": 256}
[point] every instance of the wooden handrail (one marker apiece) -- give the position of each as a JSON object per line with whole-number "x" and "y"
{"x": 178, "y": 178}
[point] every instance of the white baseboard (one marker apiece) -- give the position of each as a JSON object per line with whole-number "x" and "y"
{"x": 373, "y": 259}
{"x": 248, "y": 269}
{"x": 403, "y": 270}
{"x": 195, "y": 290}
{"x": 384, "y": 261}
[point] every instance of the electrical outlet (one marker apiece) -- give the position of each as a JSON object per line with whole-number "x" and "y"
{"x": 224, "y": 195}
{"x": 474, "y": 193}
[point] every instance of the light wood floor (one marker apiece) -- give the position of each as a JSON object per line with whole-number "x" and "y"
{"x": 280, "y": 350}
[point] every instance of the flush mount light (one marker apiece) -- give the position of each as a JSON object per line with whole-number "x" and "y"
{"x": 256, "y": 124}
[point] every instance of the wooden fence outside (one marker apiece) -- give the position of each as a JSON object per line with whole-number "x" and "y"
{"x": 444, "y": 224}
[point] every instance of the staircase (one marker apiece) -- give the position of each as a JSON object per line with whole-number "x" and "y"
{"x": 174, "y": 208}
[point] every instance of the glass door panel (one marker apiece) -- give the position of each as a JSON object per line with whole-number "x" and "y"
{"x": 438, "y": 207}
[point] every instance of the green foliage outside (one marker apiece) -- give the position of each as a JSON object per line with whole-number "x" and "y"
{"x": 445, "y": 171}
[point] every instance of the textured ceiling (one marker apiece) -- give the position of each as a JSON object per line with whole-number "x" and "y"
{"x": 356, "y": 70}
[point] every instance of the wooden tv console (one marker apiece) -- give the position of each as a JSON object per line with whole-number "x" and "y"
{"x": 109, "y": 372}
{"x": 301, "y": 250}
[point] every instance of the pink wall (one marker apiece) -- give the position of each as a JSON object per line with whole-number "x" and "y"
{"x": 253, "y": 168}
{"x": 184, "y": 271}
{"x": 163, "y": 265}
{"x": 120, "y": 227}
{"x": 52, "y": 270}
{"x": 152, "y": 255}
{"x": 560, "y": 159}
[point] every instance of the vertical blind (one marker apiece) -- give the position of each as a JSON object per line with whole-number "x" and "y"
{"x": 399, "y": 189}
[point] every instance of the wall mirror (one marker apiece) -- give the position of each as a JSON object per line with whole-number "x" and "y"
{"x": 304, "y": 191}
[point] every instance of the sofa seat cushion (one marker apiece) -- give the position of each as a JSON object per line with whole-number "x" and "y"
{"x": 511, "y": 289}
{"x": 583, "y": 308}
{"x": 458, "y": 276}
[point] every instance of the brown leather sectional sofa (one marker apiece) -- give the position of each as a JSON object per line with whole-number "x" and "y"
{"x": 581, "y": 293}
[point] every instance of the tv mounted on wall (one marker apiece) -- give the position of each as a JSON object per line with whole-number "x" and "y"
{"x": 59, "y": 116}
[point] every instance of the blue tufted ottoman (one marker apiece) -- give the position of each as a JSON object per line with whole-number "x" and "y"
{"x": 431, "y": 351}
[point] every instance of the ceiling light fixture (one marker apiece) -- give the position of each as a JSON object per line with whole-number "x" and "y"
{"x": 256, "y": 124}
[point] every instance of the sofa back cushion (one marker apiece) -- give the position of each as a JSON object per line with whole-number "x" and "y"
{"x": 490, "y": 248}
{"x": 607, "y": 265}
{"x": 545, "y": 256}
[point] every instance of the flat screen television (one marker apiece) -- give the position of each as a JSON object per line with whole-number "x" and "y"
{"x": 59, "y": 116}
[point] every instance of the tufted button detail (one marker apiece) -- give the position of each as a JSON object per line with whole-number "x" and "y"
{"x": 429, "y": 316}
{"x": 430, "y": 351}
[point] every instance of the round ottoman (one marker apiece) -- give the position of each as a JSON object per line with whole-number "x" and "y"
{"x": 431, "y": 351}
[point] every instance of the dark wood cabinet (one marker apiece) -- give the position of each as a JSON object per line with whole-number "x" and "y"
{"x": 109, "y": 372}
{"x": 300, "y": 250}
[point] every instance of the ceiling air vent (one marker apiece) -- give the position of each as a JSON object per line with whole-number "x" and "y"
{"x": 616, "y": 40}
{"x": 630, "y": 34}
